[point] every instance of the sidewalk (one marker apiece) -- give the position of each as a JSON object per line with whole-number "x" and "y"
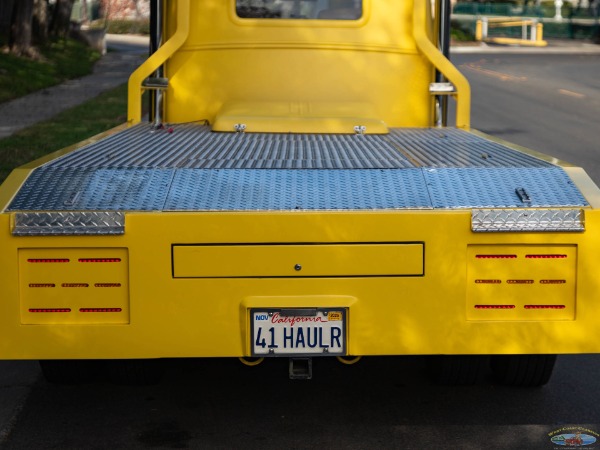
{"x": 125, "y": 54}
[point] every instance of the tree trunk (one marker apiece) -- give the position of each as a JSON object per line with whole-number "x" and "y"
{"x": 61, "y": 19}
{"x": 20, "y": 29}
{"x": 40, "y": 21}
{"x": 85, "y": 18}
{"x": 6, "y": 9}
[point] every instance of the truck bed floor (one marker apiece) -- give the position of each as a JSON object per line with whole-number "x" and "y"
{"x": 190, "y": 168}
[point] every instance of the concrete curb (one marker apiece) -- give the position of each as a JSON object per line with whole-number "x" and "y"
{"x": 583, "y": 48}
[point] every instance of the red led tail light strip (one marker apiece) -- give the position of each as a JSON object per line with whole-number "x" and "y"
{"x": 100, "y": 310}
{"x": 546, "y": 256}
{"x": 107, "y": 285}
{"x": 75, "y": 285}
{"x": 99, "y": 260}
{"x": 48, "y": 260}
{"x": 488, "y": 281}
{"x": 553, "y": 281}
{"x": 42, "y": 285}
{"x": 494, "y": 306}
{"x": 49, "y": 310}
{"x": 545, "y": 306}
{"x": 519, "y": 281}
{"x": 496, "y": 256}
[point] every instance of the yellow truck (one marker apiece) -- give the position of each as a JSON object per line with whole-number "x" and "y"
{"x": 297, "y": 193}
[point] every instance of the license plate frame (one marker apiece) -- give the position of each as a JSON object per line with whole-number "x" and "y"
{"x": 320, "y": 337}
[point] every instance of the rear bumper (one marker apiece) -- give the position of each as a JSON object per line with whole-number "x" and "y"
{"x": 423, "y": 301}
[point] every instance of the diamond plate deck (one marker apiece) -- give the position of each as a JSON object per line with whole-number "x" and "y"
{"x": 496, "y": 188}
{"x": 252, "y": 189}
{"x": 72, "y": 189}
{"x": 190, "y": 168}
{"x": 69, "y": 223}
{"x": 517, "y": 220}
{"x": 196, "y": 147}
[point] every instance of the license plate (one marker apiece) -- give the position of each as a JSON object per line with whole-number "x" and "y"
{"x": 296, "y": 332}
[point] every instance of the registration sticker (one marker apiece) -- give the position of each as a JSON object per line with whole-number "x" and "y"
{"x": 296, "y": 332}
{"x": 332, "y": 316}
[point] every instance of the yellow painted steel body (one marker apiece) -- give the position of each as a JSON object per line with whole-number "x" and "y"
{"x": 413, "y": 312}
{"x": 408, "y": 279}
{"x": 191, "y": 317}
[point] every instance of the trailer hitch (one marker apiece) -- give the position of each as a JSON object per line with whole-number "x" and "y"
{"x": 300, "y": 368}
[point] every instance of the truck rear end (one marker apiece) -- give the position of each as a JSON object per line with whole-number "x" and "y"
{"x": 293, "y": 196}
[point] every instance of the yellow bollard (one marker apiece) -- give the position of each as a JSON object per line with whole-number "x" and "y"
{"x": 478, "y": 30}
{"x": 540, "y": 32}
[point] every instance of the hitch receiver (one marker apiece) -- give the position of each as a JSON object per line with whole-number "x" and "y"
{"x": 300, "y": 368}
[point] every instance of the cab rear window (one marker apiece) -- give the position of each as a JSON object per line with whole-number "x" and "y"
{"x": 300, "y": 9}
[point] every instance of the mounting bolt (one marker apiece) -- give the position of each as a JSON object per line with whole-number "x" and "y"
{"x": 297, "y": 267}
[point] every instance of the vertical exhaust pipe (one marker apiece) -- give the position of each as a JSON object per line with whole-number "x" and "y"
{"x": 442, "y": 13}
{"x": 156, "y": 40}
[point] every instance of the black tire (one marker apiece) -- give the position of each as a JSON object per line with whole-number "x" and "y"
{"x": 135, "y": 372}
{"x": 68, "y": 371}
{"x": 523, "y": 370}
{"x": 456, "y": 370}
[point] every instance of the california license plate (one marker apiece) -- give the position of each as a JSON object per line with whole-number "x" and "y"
{"x": 281, "y": 332}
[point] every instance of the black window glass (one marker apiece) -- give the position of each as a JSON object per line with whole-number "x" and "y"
{"x": 300, "y": 9}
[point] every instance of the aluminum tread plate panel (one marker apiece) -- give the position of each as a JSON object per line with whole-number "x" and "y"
{"x": 221, "y": 190}
{"x": 194, "y": 169}
{"x": 452, "y": 149}
{"x": 195, "y": 146}
{"x": 252, "y": 189}
{"x": 69, "y": 223}
{"x": 73, "y": 189}
{"x": 496, "y": 188}
{"x": 49, "y": 189}
{"x": 518, "y": 220}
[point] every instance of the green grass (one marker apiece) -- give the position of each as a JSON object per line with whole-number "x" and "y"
{"x": 61, "y": 60}
{"x": 123, "y": 26}
{"x": 128, "y": 27}
{"x": 74, "y": 125}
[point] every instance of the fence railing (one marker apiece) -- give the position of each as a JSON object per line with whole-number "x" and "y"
{"x": 576, "y": 23}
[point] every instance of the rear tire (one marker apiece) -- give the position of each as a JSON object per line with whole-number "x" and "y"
{"x": 456, "y": 370}
{"x": 135, "y": 372}
{"x": 523, "y": 370}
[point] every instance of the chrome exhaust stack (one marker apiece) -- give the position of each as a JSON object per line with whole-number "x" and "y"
{"x": 157, "y": 84}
